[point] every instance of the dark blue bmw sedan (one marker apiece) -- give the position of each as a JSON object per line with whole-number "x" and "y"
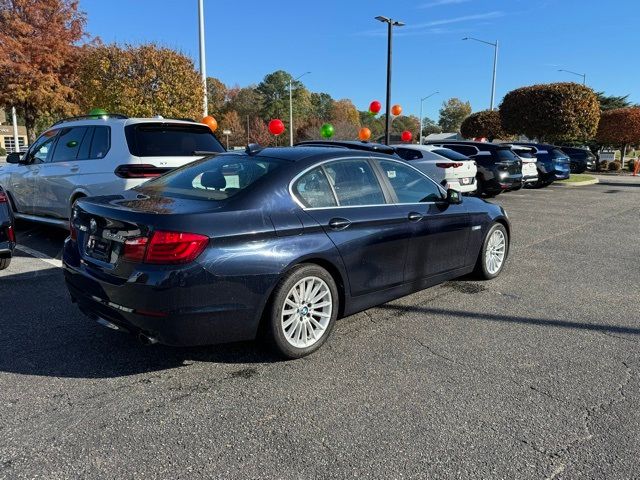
{"x": 277, "y": 240}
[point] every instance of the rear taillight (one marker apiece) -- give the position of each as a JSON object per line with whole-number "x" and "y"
{"x": 11, "y": 234}
{"x": 73, "y": 232}
{"x": 135, "y": 248}
{"x": 165, "y": 248}
{"x": 449, "y": 164}
{"x": 139, "y": 171}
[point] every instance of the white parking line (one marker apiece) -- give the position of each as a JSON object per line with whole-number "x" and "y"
{"x": 45, "y": 258}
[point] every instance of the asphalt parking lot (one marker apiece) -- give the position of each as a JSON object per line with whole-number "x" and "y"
{"x": 532, "y": 375}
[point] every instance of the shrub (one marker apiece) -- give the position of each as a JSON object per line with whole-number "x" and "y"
{"x": 603, "y": 166}
{"x": 631, "y": 164}
{"x": 486, "y": 123}
{"x": 3, "y": 152}
{"x": 615, "y": 166}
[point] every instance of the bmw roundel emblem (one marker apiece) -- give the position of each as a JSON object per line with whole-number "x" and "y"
{"x": 93, "y": 225}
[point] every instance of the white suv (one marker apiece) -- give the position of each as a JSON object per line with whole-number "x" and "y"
{"x": 446, "y": 167}
{"x": 97, "y": 155}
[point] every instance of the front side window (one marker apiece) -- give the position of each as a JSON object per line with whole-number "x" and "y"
{"x": 314, "y": 191}
{"x": 217, "y": 178}
{"x": 355, "y": 183}
{"x": 410, "y": 185}
{"x": 42, "y": 147}
{"x": 68, "y": 144}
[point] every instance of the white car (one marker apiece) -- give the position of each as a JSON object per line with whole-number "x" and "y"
{"x": 446, "y": 167}
{"x": 529, "y": 165}
{"x": 97, "y": 155}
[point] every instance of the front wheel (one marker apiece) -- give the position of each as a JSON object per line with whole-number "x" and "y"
{"x": 493, "y": 254}
{"x": 303, "y": 311}
{"x": 4, "y": 263}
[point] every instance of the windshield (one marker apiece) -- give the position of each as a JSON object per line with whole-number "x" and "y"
{"x": 216, "y": 178}
{"x": 170, "y": 139}
{"x": 505, "y": 154}
{"x": 525, "y": 153}
{"x": 450, "y": 154}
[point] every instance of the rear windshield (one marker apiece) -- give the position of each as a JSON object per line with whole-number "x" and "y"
{"x": 525, "y": 153}
{"x": 505, "y": 154}
{"x": 216, "y": 178}
{"x": 450, "y": 154}
{"x": 557, "y": 153}
{"x": 170, "y": 140}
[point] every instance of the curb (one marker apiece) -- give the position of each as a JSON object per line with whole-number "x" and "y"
{"x": 578, "y": 184}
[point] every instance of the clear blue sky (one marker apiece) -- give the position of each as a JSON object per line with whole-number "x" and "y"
{"x": 345, "y": 48}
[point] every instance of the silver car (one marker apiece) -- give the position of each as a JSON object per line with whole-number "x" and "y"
{"x": 91, "y": 156}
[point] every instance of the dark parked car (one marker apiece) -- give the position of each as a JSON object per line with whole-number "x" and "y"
{"x": 7, "y": 232}
{"x": 280, "y": 240}
{"x": 580, "y": 159}
{"x": 553, "y": 163}
{"x": 499, "y": 169}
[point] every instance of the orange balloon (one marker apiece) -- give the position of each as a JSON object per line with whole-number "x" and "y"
{"x": 364, "y": 134}
{"x": 396, "y": 110}
{"x": 210, "y": 122}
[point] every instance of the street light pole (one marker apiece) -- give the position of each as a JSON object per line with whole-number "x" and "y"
{"x": 495, "y": 66}
{"x": 583, "y": 75}
{"x": 421, "y": 102}
{"x": 291, "y": 106}
{"x": 390, "y": 24}
{"x": 203, "y": 64}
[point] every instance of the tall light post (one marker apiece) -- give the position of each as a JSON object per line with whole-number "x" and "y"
{"x": 291, "y": 106}
{"x": 583, "y": 75}
{"x": 495, "y": 65}
{"x": 203, "y": 63}
{"x": 421, "y": 102}
{"x": 390, "y": 24}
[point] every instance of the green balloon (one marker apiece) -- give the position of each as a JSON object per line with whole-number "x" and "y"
{"x": 327, "y": 130}
{"x": 97, "y": 112}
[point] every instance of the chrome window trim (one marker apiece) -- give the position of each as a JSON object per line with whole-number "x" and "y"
{"x": 317, "y": 165}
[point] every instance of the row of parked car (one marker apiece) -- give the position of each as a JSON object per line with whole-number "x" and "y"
{"x": 179, "y": 242}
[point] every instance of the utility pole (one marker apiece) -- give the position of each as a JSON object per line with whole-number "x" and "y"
{"x": 390, "y": 24}
{"x": 203, "y": 63}
{"x": 16, "y": 139}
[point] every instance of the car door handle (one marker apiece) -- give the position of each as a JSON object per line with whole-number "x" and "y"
{"x": 339, "y": 223}
{"x": 75, "y": 168}
{"x": 415, "y": 217}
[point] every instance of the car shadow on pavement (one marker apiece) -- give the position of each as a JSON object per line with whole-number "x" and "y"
{"x": 618, "y": 184}
{"x": 544, "y": 322}
{"x": 42, "y": 333}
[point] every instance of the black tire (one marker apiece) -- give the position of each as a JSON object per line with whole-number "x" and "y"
{"x": 481, "y": 271}
{"x": 4, "y": 263}
{"x": 275, "y": 330}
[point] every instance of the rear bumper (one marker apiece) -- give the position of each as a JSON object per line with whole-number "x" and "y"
{"x": 455, "y": 184}
{"x": 529, "y": 179}
{"x": 561, "y": 175}
{"x": 184, "y": 306}
{"x": 505, "y": 182}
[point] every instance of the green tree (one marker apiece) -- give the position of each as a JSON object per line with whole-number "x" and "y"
{"x": 321, "y": 106}
{"x": 139, "y": 81}
{"x": 216, "y": 96}
{"x": 246, "y": 101}
{"x": 430, "y": 126}
{"x": 610, "y": 102}
{"x": 554, "y": 112}
{"x": 410, "y": 123}
{"x": 452, "y": 113}
{"x": 274, "y": 90}
{"x": 39, "y": 56}
{"x": 485, "y": 124}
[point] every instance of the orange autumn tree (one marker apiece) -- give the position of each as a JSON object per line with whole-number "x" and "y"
{"x": 40, "y": 41}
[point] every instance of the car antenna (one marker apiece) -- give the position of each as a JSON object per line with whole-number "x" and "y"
{"x": 253, "y": 148}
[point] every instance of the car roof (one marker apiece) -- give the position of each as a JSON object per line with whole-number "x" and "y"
{"x": 305, "y": 152}
{"x": 479, "y": 145}
{"x": 110, "y": 120}
{"x": 349, "y": 145}
{"x": 545, "y": 146}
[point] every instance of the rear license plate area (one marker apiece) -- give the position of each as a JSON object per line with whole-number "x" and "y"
{"x": 466, "y": 181}
{"x": 98, "y": 248}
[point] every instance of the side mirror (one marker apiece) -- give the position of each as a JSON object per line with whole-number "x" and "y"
{"x": 454, "y": 197}
{"x": 14, "y": 157}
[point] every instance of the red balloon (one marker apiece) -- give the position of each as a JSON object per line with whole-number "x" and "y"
{"x": 276, "y": 126}
{"x": 375, "y": 106}
{"x": 406, "y": 136}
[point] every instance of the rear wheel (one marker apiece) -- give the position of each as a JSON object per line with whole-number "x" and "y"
{"x": 493, "y": 254}
{"x": 303, "y": 311}
{"x": 4, "y": 263}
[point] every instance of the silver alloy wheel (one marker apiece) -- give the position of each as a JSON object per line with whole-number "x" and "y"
{"x": 496, "y": 249}
{"x": 306, "y": 312}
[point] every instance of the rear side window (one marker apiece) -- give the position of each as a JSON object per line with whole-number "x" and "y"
{"x": 355, "y": 183}
{"x": 216, "y": 178}
{"x": 463, "y": 149}
{"x": 410, "y": 186}
{"x": 100, "y": 143}
{"x": 525, "y": 154}
{"x": 556, "y": 153}
{"x": 505, "y": 154}
{"x": 314, "y": 191}
{"x": 409, "y": 153}
{"x": 170, "y": 140}
{"x": 68, "y": 144}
